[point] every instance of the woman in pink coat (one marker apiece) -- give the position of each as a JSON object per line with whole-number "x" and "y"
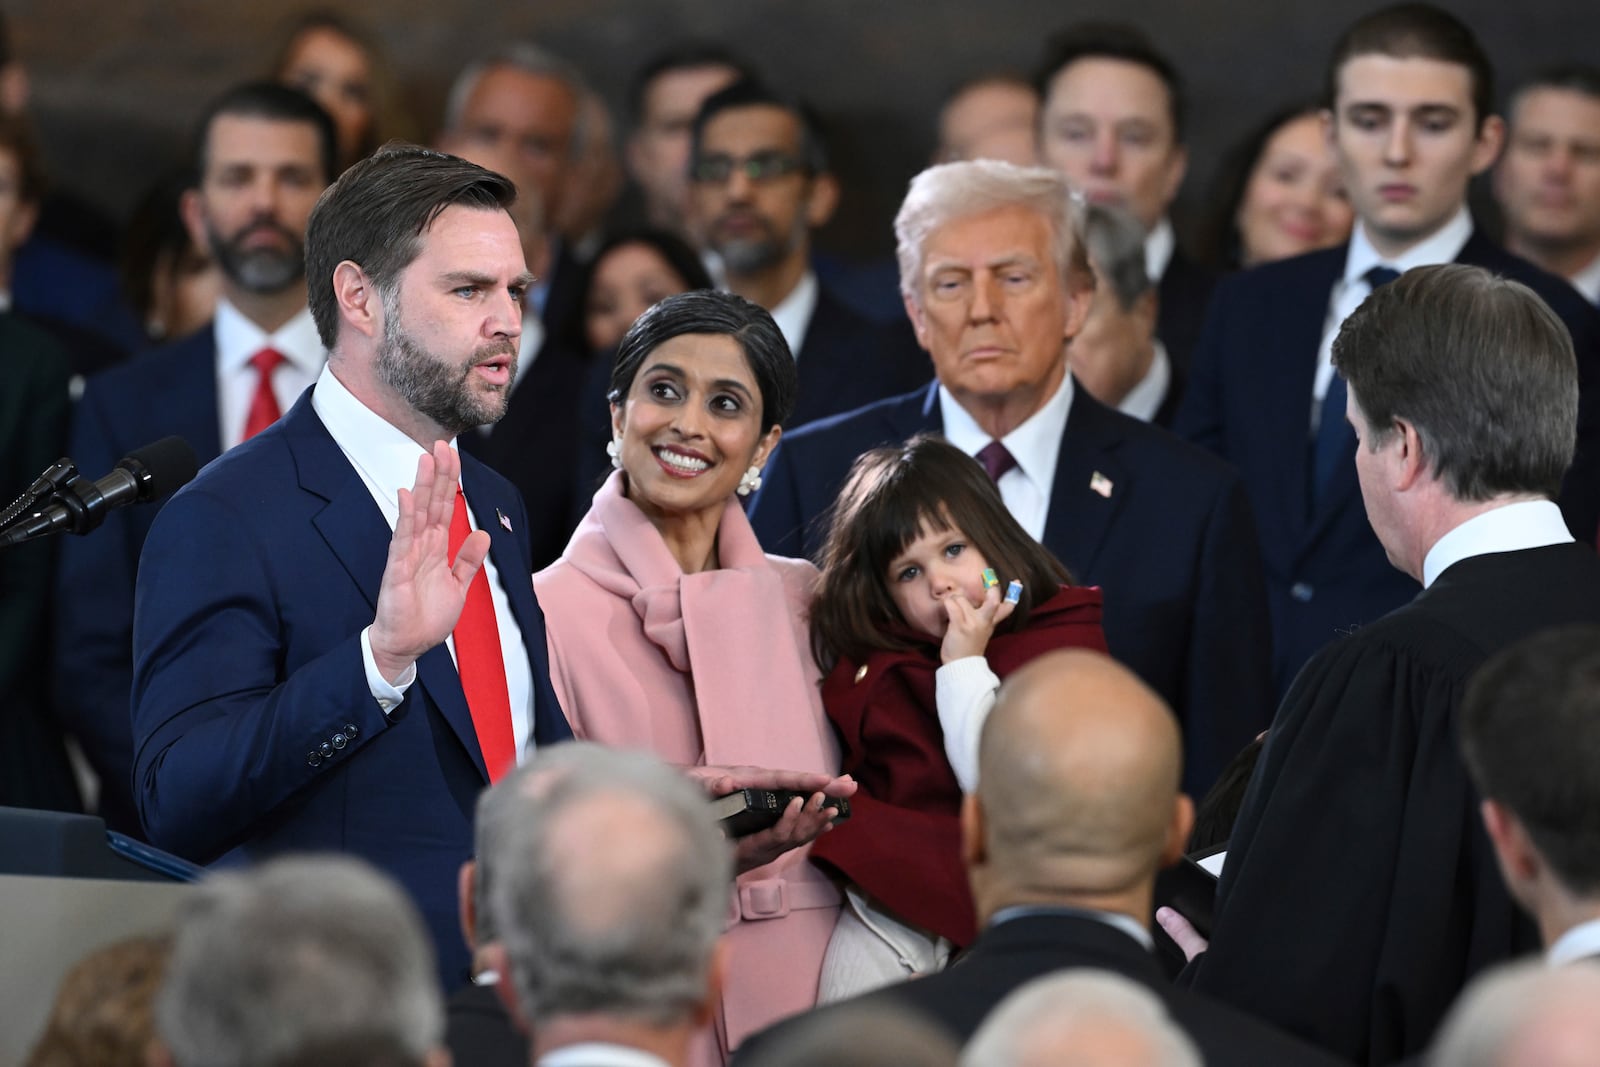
{"x": 671, "y": 630}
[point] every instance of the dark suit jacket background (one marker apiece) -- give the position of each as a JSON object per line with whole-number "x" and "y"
{"x": 1182, "y": 296}
{"x": 256, "y": 582}
{"x": 171, "y": 389}
{"x": 1249, "y": 401}
{"x": 33, "y": 427}
{"x": 1008, "y": 955}
{"x": 1360, "y": 892}
{"x": 1172, "y": 547}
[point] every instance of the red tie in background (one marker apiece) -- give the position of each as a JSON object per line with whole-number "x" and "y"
{"x": 996, "y": 459}
{"x": 264, "y": 405}
{"x": 478, "y": 662}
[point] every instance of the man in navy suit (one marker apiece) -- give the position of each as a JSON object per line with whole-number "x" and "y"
{"x": 303, "y": 680}
{"x": 996, "y": 283}
{"x": 1411, "y": 124}
{"x": 759, "y": 183}
{"x": 263, "y": 154}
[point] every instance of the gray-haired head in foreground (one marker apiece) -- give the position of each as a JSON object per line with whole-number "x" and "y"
{"x": 950, "y": 191}
{"x": 1115, "y": 243}
{"x": 610, "y": 896}
{"x": 528, "y": 58}
{"x": 294, "y": 954}
{"x": 857, "y": 1035}
{"x": 1514, "y": 1015}
{"x": 1075, "y": 1008}
{"x": 1482, "y": 368}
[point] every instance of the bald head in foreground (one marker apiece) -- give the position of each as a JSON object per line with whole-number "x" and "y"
{"x": 1077, "y": 807}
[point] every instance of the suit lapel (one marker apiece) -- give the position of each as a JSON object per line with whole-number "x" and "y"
{"x": 1090, "y": 485}
{"x": 355, "y": 531}
{"x": 190, "y": 392}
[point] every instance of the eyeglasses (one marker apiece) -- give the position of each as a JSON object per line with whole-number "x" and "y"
{"x": 760, "y": 167}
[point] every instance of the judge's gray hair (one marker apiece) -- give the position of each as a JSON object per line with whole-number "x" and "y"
{"x": 950, "y": 191}
{"x": 292, "y": 955}
{"x": 1052, "y": 1011}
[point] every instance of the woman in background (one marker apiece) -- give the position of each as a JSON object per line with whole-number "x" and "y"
{"x": 339, "y": 66}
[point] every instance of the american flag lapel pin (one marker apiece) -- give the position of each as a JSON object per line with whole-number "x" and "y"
{"x": 1099, "y": 483}
{"x": 503, "y": 520}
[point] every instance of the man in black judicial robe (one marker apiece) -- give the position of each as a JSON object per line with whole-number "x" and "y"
{"x": 1360, "y": 892}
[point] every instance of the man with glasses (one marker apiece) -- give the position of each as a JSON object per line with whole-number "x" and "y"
{"x": 758, "y": 185}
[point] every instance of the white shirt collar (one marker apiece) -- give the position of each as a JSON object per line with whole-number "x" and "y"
{"x": 1442, "y": 246}
{"x": 1158, "y": 248}
{"x": 1144, "y": 399}
{"x": 238, "y": 339}
{"x": 1035, "y": 445}
{"x": 793, "y": 313}
{"x": 1580, "y": 942}
{"x": 590, "y": 1053}
{"x": 1125, "y": 923}
{"x": 1510, "y": 528}
{"x": 1587, "y": 281}
{"x": 385, "y": 457}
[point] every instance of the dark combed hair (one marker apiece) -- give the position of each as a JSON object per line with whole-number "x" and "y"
{"x": 748, "y": 92}
{"x": 690, "y": 55}
{"x": 376, "y": 213}
{"x": 708, "y": 311}
{"x": 1114, "y": 40}
{"x": 279, "y": 103}
{"x": 1416, "y": 31}
{"x": 1221, "y": 245}
{"x": 891, "y": 494}
{"x": 1530, "y": 732}
{"x": 1574, "y": 77}
{"x": 1479, "y": 365}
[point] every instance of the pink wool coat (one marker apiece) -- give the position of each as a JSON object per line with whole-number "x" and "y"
{"x": 703, "y": 668}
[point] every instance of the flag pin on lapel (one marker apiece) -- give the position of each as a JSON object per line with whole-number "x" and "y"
{"x": 1099, "y": 483}
{"x": 503, "y": 520}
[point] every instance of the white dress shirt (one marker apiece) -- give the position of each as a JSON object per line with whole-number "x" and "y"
{"x": 1351, "y": 289}
{"x": 1580, "y": 942}
{"x": 1126, "y": 923}
{"x": 386, "y": 460}
{"x": 1511, "y": 528}
{"x": 1587, "y": 281}
{"x": 237, "y": 340}
{"x": 1159, "y": 244}
{"x": 1035, "y": 445}
{"x": 793, "y": 313}
{"x": 1144, "y": 399}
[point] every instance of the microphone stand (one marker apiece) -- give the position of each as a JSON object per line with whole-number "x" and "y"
{"x": 58, "y": 476}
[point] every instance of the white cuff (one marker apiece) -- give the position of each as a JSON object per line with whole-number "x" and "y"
{"x": 964, "y": 691}
{"x": 388, "y": 696}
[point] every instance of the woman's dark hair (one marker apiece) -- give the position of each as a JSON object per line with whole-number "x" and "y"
{"x": 156, "y": 241}
{"x": 1220, "y": 245}
{"x": 710, "y": 312}
{"x": 673, "y": 250}
{"x": 1215, "y": 815}
{"x": 889, "y": 496}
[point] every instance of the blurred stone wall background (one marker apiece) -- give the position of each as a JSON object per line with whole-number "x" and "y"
{"x": 116, "y": 85}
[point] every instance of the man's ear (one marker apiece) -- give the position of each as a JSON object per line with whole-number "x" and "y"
{"x": 505, "y": 989}
{"x": 716, "y": 980}
{"x": 974, "y": 847}
{"x": 192, "y": 210}
{"x": 1519, "y": 859}
{"x": 1412, "y": 466}
{"x": 357, "y": 299}
{"x": 1178, "y": 831}
{"x": 1146, "y": 312}
{"x": 1491, "y": 138}
{"x": 467, "y": 903}
{"x": 822, "y": 201}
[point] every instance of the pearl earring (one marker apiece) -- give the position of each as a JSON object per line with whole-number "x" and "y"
{"x": 614, "y": 450}
{"x": 750, "y": 482}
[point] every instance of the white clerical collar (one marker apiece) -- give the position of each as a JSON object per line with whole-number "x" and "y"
{"x": 1442, "y": 246}
{"x": 1509, "y": 528}
{"x": 1158, "y": 248}
{"x": 590, "y": 1053}
{"x": 1035, "y": 445}
{"x": 1587, "y": 281}
{"x": 238, "y": 339}
{"x": 1125, "y": 923}
{"x": 1144, "y": 399}
{"x": 793, "y": 313}
{"x": 380, "y": 452}
{"x": 1580, "y": 942}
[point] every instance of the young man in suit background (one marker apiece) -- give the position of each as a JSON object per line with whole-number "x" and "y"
{"x": 263, "y": 154}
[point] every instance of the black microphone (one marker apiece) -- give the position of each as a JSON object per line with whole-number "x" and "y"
{"x": 145, "y": 474}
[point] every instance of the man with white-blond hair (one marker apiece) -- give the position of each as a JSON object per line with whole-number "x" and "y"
{"x": 1081, "y": 1018}
{"x": 995, "y": 282}
{"x": 293, "y": 959}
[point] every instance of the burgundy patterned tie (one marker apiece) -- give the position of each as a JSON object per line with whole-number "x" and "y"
{"x": 996, "y": 460}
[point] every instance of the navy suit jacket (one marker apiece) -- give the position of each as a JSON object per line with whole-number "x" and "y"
{"x": 1172, "y": 546}
{"x": 171, "y": 389}
{"x": 848, "y": 360}
{"x": 255, "y": 731}
{"x": 1249, "y": 401}
{"x": 1182, "y": 296}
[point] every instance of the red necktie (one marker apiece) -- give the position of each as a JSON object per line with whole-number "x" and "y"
{"x": 264, "y": 405}
{"x": 996, "y": 459}
{"x": 478, "y": 662}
